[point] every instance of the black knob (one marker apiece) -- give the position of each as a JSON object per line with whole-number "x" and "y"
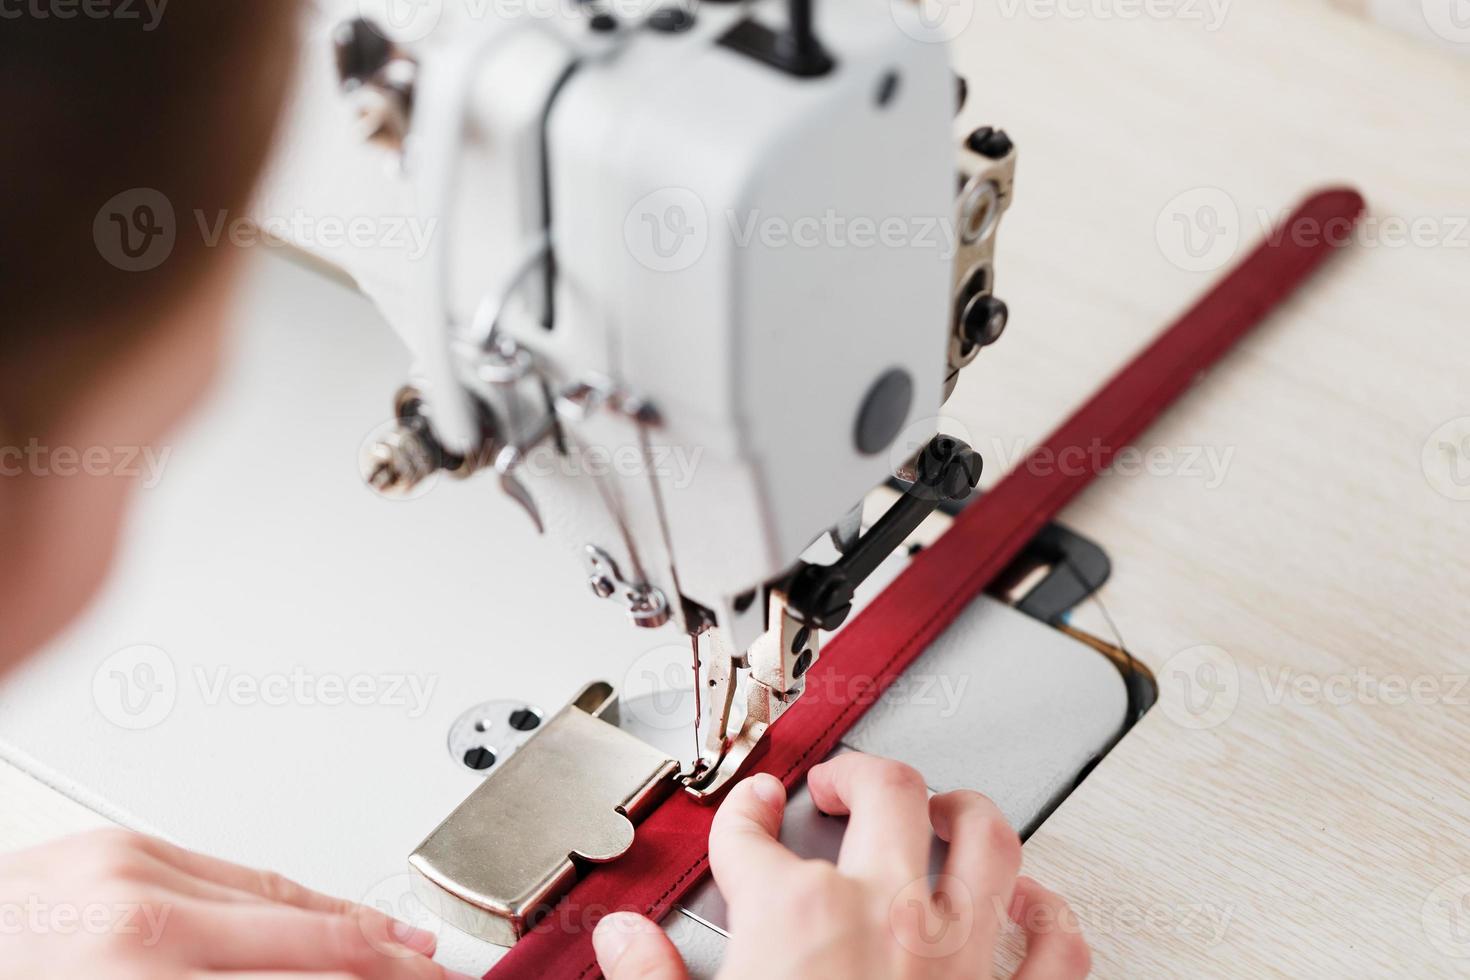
{"x": 984, "y": 319}
{"x": 362, "y": 50}
{"x": 989, "y": 142}
{"x": 949, "y": 468}
{"x": 821, "y": 595}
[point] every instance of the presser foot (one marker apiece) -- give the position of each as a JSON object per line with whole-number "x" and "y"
{"x": 710, "y": 779}
{"x": 571, "y": 795}
{"x": 777, "y": 664}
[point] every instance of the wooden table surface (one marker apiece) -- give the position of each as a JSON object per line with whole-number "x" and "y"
{"x": 1289, "y": 808}
{"x": 1293, "y": 561}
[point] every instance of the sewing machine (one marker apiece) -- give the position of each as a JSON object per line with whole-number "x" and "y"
{"x": 763, "y": 269}
{"x": 604, "y": 281}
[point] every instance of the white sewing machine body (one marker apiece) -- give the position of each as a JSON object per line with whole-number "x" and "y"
{"x": 697, "y": 287}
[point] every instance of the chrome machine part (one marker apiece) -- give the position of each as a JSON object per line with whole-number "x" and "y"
{"x": 777, "y": 664}
{"x": 464, "y": 873}
{"x": 646, "y": 606}
{"x": 988, "y": 177}
{"x": 488, "y": 734}
{"x": 378, "y": 80}
{"x": 402, "y": 458}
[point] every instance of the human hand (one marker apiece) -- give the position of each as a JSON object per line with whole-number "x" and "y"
{"x": 114, "y": 905}
{"x": 876, "y": 913}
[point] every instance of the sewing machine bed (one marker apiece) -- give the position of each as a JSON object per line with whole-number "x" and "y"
{"x": 274, "y": 669}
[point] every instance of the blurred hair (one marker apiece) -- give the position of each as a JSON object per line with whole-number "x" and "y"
{"x": 104, "y": 97}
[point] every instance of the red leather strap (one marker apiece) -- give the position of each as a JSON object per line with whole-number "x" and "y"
{"x": 670, "y": 854}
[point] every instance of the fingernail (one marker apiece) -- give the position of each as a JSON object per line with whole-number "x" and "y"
{"x": 418, "y": 940}
{"x": 770, "y": 790}
{"x": 614, "y": 934}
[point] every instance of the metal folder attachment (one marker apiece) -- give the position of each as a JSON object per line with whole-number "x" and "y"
{"x": 572, "y": 793}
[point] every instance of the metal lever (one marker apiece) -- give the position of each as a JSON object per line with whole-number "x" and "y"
{"x": 821, "y": 596}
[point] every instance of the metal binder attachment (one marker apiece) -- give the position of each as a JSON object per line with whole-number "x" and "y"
{"x": 572, "y": 793}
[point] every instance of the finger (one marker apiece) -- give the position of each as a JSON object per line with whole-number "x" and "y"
{"x": 888, "y": 836}
{"x": 1055, "y": 946}
{"x": 274, "y": 937}
{"x": 276, "y": 975}
{"x": 984, "y": 857}
{"x": 630, "y": 947}
{"x": 271, "y": 887}
{"x": 744, "y": 846}
{"x": 124, "y": 857}
{"x": 270, "y": 976}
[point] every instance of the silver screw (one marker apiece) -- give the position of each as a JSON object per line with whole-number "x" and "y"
{"x": 399, "y": 461}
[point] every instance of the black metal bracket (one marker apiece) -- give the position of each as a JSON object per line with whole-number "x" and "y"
{"x": 946, "y": 471}
{"x": 795, "y": 50}
{"x": 1075, "y": 568}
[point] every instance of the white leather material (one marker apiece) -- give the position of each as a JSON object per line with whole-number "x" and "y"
{"x": 702, "y": 948}
{"x": 318, "y": 642}
{"x": 1003, "y": 705}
